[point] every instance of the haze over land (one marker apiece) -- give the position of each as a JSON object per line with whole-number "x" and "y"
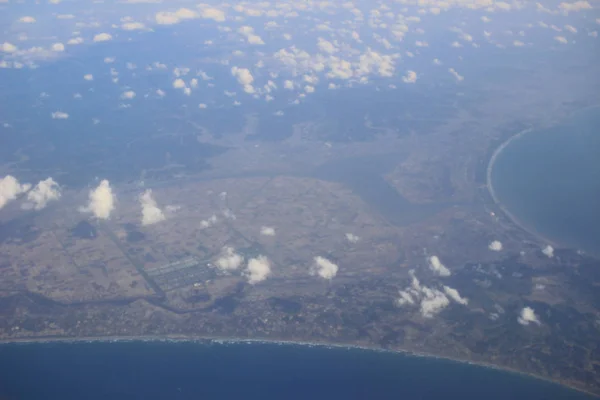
{"x": 302, "y": 171}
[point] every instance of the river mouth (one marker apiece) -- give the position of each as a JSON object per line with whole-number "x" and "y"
{"x": 548, "y": 181}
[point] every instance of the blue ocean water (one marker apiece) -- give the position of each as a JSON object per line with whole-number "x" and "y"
{"x": 550, "y": 181}
{"x": 188, "y": 370}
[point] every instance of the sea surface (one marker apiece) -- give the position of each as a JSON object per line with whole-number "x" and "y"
{"x": 549, "y": 180}
{"x": 189, "y": 370}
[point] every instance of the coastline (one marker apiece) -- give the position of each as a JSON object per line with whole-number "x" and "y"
{"x": 492, "y": 192}
{"x": 215, "y": 340}
{"x": 490, "y": 187}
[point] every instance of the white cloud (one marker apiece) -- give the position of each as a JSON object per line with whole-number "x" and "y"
{"x": 8, "y": 47}
{"x": 527, "y": 316}
{"x": 410, "y": 77}
{"x": 102, "y": 37}
{"x": 178, "y": 83}
{"x": 101, "y": 201}
{"x": 430, "y": 301}
{"x": 27, "y": 20}
{"x": 109, "y": 60}
{"x": 58, "y": 47}
{"x": 324, "y": 268}
{"x": 267, "y": 231}
{"x": 212, "y": 13}
{"x": 75, "y": 41}
{"x": 454, "y": 295}
{"x": 151, "y": 214}
{"x": 561, "y": 39}
{"x": 252, "y": 38}
{"x": 326, "y": 46}
{"x": 405, "y": 298}
{"x": 10, "y": 188}
{"x": 59, "y": 115}
{"x": 160, "y": 93}
{"x": 496, "y": 245}
{"x": 207, "y": 223}
{"x": 133, "y": 26}
{"x": 571, "y": 28}
{"x": 244, "y": 78}
{"x": 436, "y": 266}
{"x": 548, "y": 251}
{"x": 44, "y": 192}
{"x": 433, "y": 302}
{"x": 456, "y": 75}
{"x": 258, "y": 270}
{"x": 575, "y": 6}
{"x": 88, "y": 77}
{"x": 128, "y": 95}
{"x": 229, "y": 259}
{"x": 170, "y": 18}
{"x": 352, "y": 238}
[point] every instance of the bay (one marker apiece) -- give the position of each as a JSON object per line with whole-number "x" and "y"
{"x": 549, "y": 181}
{"x": 191, "y": 370}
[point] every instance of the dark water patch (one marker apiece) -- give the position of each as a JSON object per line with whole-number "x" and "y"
{"x": 178, "y": 371}
{"x": 549, "y": 181}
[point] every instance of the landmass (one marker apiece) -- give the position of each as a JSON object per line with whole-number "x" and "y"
{"x": 407, "y": 194}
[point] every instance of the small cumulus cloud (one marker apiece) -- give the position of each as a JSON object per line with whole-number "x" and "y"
{"x": 454, "y": 295}
{"x": 8, "y": 47}
{"x": 59, "y": 115}
{"x": 44, "y": 192}
{"x": 324, "y": 268}
{"x": 430, "y": 301}
{"x": 10, "y": 188}
{"x": 433, "y": 302}
{"x": 171, "y": 18}
{"x": 101, "y": 201}
{"x": 128, "y": 95}
{"x": 267, "y": 231}
{"x": 548, "y": 251}
{"x": 27, "y": 20}
{"x": 495, "y": 245}
{"x": 75, "y": 41}
{"x": 436, "y": 266}
{"x": 102, "y": 37}
{"x": 88, "y": 77}
{"x": 571, "y": 28}
{"x": 528, "y": 316}
{"x": 133, "y": 26}
{"x": 58, "y": 47}
{"x": 212, "y": 13}
{"x": 244, "y": 78}
{"x": 352, "y": 238}
{"x": 151, "y": 214}
{"x": 575, "y": 6}
{"x": 258, "y": 269}
{"x": 207, "y": 223}
{"x": 410, "y": 77}
{"x": 179, "y": 83}
{"x": 456, "y": 75}
{"x": 561, "y": 39}
{"x": 229, "y": 260}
